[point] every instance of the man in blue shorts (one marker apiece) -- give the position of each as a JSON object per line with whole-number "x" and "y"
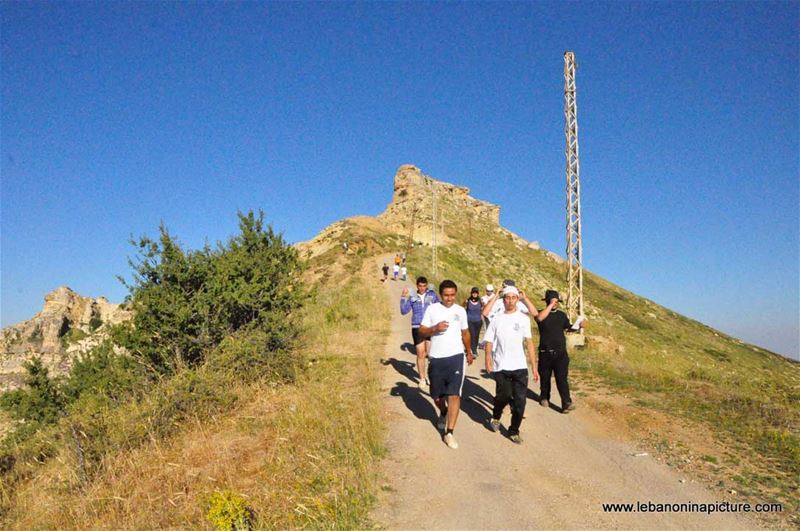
{"x": 446, "y": 324}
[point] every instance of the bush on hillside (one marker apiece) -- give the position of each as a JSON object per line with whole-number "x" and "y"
{"x": 186, "y": 302}
{"x": 39, "y": 403}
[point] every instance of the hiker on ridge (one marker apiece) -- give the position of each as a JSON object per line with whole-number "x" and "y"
{"x": 446, "y": 324}
{"x": 417, "y": 304}
{"x": 553, "y": 357}
{"x": 505, "y": 361}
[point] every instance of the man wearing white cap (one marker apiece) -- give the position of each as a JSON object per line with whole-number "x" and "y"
{"x": 505, "y": 360}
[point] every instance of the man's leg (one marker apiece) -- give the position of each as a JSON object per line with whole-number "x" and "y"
{"x": 545, "y": 373}
{"x": 519, "y": 390}
{"x": 474, "y": 333}
{"x": 502, "y": 394}
{"x": 453, "y": 407}
{"x": 422, "y": 354}
{"x": 561, "y": 369}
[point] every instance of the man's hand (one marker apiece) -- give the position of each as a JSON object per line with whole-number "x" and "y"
{"x": 522, "y": 295}
{"x": 535, "y": 375}
{"x": 441, "y": 326}
{"x": 405, "y": 292}
{"x": 488, "y": 365}
{"x": 553, "y": 302}
{"x": 470, "y": 358}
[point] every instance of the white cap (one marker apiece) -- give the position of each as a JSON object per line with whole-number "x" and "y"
{"x": 510, "y": 290}
{"x": 489, "y": 287}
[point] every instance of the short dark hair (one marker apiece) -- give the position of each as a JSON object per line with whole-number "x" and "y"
{"x": 447, "y": 284}
{"x": 422, "y": 280}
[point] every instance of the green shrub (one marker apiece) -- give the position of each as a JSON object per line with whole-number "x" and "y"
{"x": 39, "y": 403}
{"x": 186, "y": 302}
{"x": 228, "y": 511}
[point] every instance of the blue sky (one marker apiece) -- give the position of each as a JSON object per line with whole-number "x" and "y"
{"x": 117, "y": 116}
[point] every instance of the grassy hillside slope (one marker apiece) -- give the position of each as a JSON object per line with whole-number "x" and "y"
{"x": 664, "y": 361}
{"x": 293, "y": 455}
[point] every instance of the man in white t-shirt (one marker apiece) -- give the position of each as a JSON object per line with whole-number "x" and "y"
{"x": 505, "y": 360}
{"x": 446, "y": 324}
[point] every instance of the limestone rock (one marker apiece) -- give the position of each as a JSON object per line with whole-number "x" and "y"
{"x": 67, "y": 326}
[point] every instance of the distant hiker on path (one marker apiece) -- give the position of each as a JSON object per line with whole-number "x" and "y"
{"x": 417, "y": 304}
{"x": 395, "y": 271}
{"x": 385, "y": 269}
{"x": 553, "y": 357}
{"x": 397, "y": 260}
{"x": 403, "y": 273}
{"x": 344, "y": 247}
{"x": 473, "y": 306}
{"x": 505, "y": 360}
{"x": 446, "y": 324}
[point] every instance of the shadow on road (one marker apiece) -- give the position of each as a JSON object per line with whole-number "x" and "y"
{"x": 535, "y": 397}
{"x": 476, "y": 402}
{"x": 408, "y": 347}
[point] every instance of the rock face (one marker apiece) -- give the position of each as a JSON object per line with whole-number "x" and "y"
{"x": 67, "y": 326}
{"x": 412, "y": 204}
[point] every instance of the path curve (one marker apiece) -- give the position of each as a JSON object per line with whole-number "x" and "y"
{"x": 557, "y": 479}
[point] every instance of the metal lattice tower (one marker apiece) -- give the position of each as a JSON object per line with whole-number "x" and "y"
{"x": 434, "y": 258}
{"x": 574, "y": 247}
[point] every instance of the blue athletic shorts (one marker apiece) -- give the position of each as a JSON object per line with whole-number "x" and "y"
{"x": 447, "y": 375}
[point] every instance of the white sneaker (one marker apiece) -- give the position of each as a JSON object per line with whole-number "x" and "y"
{"x": 450, "y": 441}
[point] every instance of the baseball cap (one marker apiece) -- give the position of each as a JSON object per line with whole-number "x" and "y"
{"x": 489, "y": 287}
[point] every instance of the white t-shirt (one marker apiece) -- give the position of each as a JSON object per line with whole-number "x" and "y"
{"x": 447, "y": 343}
{"x": 396, "y": 268}
{"x": 499, "y": 308}
{"x": 506, "y": 333}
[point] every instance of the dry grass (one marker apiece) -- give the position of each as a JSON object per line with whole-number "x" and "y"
{"x": 302, "y": 455}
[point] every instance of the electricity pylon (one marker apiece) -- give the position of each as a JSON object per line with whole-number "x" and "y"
{"x": 574, "y": 246}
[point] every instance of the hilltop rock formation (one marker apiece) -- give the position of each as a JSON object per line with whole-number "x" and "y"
{"x": 67, "y": 326}
{"x": 412, "y": 204}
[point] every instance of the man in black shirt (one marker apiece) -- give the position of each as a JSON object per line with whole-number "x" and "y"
{"x": 553, "y": 356}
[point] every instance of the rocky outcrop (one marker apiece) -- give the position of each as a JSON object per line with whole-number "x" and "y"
{"x": 412, "y": 204}
{"x": 67, "y": 326}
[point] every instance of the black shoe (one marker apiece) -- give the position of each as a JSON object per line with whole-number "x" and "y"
{"x": 568, "y": 407}
{"x": 544, "y": 402}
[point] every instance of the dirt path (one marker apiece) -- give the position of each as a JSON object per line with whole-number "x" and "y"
{"x": 557, "y": 479}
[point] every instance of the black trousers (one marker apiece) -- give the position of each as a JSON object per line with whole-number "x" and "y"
{"x": 474, "y": 332}
{"x": 554, "y": 361}
{"x": 512, "y": 386}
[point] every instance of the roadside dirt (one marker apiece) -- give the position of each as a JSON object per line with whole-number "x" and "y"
{"x": 558, "y": 478}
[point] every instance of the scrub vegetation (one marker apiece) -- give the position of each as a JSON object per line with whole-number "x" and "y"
{"x": 229, "y": 399}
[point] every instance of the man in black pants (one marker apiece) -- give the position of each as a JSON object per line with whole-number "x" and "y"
{"x": 505, "y": 360}
{"x": 553, "y": 357}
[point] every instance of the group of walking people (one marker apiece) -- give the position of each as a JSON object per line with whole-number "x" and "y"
{"x": 446, "y": 337}
{"x": 399, "y": 269}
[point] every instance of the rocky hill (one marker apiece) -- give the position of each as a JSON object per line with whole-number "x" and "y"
{"x": 68, "y": 325}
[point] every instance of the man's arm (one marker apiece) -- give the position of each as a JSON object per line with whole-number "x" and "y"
{"x": 467, "y": 345}
{"x": 532, "y": 358}
{"x": 428, "y": 331}
{"x": 489, "y": 304}
{"x": 405, "y": 302}
{"x": 544, "y": 313}
{"x": 528, "y": 304}
{"x": 487, "y": 349}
